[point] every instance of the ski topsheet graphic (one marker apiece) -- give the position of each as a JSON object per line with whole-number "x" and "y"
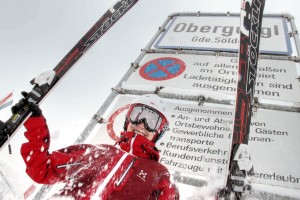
{"x": 251, "y": 20}
{"x": 109, "y": 18}
{"x": 250, "y": 29}
{"x": 6, "y": 101}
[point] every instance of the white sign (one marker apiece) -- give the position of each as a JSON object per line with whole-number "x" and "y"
{"x": 197, "y": 143}
{"x": 199, "y": 140}
{"x": 221, "y": 32}
{"x": 276, "y": 79}
{"x": 274, "y": 146}
{"x": 200, "y": 136}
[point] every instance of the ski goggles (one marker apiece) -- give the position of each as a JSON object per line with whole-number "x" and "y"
{"x": 150, "y": 117}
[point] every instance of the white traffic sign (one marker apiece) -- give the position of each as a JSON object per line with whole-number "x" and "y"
{"x": 199, "y": 138}
{"x": 274, "y": 146}
{"x": 276, "y": 79}
{"x": 222, "y": 33}
{"x": 197, "y": 143}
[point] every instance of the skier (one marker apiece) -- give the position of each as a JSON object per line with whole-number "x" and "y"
{"x": 102, "y": 171}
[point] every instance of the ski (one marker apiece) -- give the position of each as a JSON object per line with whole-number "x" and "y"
{"x": 250, "y": 29}
{"x": 110, "y": 17}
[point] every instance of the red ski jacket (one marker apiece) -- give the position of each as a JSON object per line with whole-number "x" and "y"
{"x": 93, "y": 171}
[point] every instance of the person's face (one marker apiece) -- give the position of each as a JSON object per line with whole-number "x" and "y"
{"x": 141, "y": 130}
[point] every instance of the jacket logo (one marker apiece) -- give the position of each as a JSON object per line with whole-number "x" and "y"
{"x": 142, "y": 175}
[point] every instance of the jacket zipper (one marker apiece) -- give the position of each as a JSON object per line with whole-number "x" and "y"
{"x": 126, "y": 171}
{"x": 67, "y": 165}
{"x": 131, "y": 145}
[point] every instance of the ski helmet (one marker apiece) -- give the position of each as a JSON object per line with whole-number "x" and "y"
{"x": 151, "y": 110}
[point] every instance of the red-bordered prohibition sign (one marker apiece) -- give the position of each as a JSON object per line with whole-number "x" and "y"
{"x": 111, "y": 120}
{"x": 162, "y": 69}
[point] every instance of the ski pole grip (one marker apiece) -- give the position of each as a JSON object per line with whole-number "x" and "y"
{"x": 16, "y": 119}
